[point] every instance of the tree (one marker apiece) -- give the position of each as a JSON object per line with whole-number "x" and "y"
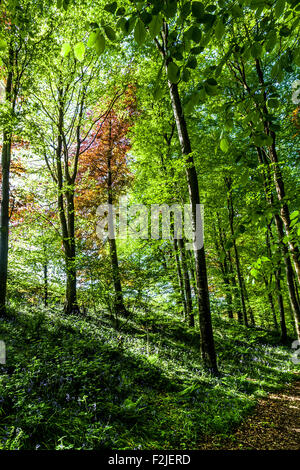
{"x": 17, "y": 48}
{"x": 104, "y": 162}
{"x": 66, "y": 90}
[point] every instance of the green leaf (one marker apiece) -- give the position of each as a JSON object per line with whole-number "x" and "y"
{"x": 273, "y": 103}
{"x": 296, "y": 56}
{"x": 256, "y": 50}
{"x": 294, "y": 215}
{"x": 284, "y": 32}
{"x": 139, "y": 32}
{"x": 79, "y": 51}
{"x": 146, "y": 18}
{"x": 192, "y": 63}
{"x": 110, "y": 33}
{"x": 224, "y": 145}
{"x": 196, "y": 34}
{"x": 197, "y": 9}
{"x": 241, "y": 229}
{"x": 279, "y": 8}
{"x": 192, "y": 102}
{"x": 185, "y": 10}
{"x": 196, "y": 50}
{"x": 212, "y": 82}
{"x": 170, "y": 8}
{"x": 210, "y": 87}
{"x": 228, "y": 245}
{"x": 65, "y": 49}
{"x": 120, "y": 11}
{"x": 275, "y": 70}
{"x": 3, "y": 44}
{"x": 173, "y": 72}
{"x": 219, "y": 29}
{"x": 236, "y": 11}
{"x": 155, "y": 26}
{"x": 111, "y": 7}
{"x": 92, "y": 38}
{"x": 185, "y": 75}
{"x": 254, "y": 272}
{"x": 65, "y": 4}
{"x": 271, "y": 41}
{"x": 100, "y": 44}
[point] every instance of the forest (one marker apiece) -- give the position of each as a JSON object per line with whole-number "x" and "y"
{"x": 150, "y": 225}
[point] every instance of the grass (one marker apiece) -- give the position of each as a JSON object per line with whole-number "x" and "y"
{"x": 79, "y": 383}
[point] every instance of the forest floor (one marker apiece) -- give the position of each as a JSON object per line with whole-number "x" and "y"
{"x": 274, "y": 425}
{"x": 81, "y": 383}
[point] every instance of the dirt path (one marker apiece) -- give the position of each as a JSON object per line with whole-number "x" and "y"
{"x": 275, "y": 425}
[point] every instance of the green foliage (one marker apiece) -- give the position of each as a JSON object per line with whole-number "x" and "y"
{"x": 82, "y": 391}
{"x": 173, "y": 72}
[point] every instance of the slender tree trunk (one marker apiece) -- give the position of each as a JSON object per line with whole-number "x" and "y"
{"x": 187, "y": 285}
{"x": 206, "y": 331}
{"x": 231, "y": 275}
{"x": 269, "y": 236}
{"x": 284, "y": 251}
{"x": 6, "y": 156}
{"x": 297, "y": 293}
{"x": 278, "y": 180}
{"x": 237, "y": 298}
{"x": 180, "y": 278}
{"x": 191, "y": 268}
{"x": 251, "y": 314}
{"x": 281, "y": 307}
{"x": 236, "y": 253}
{"x": 289, "y": 275}
{"x": 45, "y": 285}
{"x": 225, "y": 272}
{"x": 5, "y": 169}
{"x": 271, "y": 302}
{"x": 119, "y": 301}
{"x": 65, "y": 202}
{"x": 71, "y": 305}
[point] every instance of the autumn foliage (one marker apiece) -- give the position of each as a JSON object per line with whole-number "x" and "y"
{"x": 107, "y": 150}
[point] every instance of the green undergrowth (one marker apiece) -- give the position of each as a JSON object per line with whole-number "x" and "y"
{"x": 80, "y": 383}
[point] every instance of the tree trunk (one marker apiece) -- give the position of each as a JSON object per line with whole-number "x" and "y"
{"x": 289, "y": 275}
{"x": 247, "y": 302}
{"x": 65, "y": 202}
{"x": 224, "y": 270}
{"x": 206, "y": 331}
{"x": 187, "y": 285}
{"x": 5, "y": 169}
{"x": 271, "y": 302}
{"x": 237, "y": 299}
{"x": 236, "y": 253}
{"x": 180, "y": 278}
{"x": 71, "y": 306}
{"x": 45, "y": 285}
{"x": 119, "y": 301}
{"x": 285, "y": 253}
{"x": 231, "y": 275}
{"x": 278, "y": 180}
{"x": 281, "y": 307}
